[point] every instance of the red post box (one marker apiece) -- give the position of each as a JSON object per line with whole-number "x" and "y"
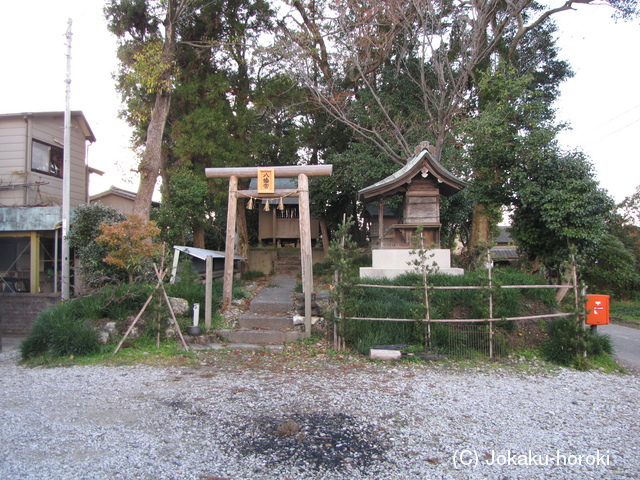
{"x": 597, "y": 310}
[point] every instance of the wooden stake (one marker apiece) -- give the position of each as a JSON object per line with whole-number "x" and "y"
{"x": 160, "y": 276}
{"x": 173, "y": 315}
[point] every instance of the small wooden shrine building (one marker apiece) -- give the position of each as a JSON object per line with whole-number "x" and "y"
{"x": 279, "y": 225}
{"x": 423, "y": 181}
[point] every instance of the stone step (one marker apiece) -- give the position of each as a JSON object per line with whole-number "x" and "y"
{"x": 259, "y": 337}
{"x": 259, "y": 320}
{"x": 287, "y": 265}
{"x": 271, "y": 304}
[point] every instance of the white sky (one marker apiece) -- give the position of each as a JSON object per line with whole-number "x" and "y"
{"x": 602, "y": 101}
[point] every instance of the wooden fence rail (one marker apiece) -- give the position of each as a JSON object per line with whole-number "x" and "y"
{"x": 491, "y": 319}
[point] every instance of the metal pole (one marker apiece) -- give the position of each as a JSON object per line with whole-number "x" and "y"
{"x": 66, "y": 176}
{"x": 55, "y": 263}
{"x": 208, "y": 307}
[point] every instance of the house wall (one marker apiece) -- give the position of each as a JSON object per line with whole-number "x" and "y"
{"x": 123, "y": 205}
{"x": 16, "y": 135}
{"x": 18, "y": 311}
{"x": 13, "y": 166}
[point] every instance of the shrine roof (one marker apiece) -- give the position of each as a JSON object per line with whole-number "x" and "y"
{"x": 422, "y": 164}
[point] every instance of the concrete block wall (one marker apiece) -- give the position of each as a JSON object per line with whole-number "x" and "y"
{"x": 18, "y": 311}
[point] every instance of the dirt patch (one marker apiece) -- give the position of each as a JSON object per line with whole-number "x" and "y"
{"x": 316, "y": 441}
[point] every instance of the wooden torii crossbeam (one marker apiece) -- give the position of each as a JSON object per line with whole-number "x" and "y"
{"x": 300, "y": 171}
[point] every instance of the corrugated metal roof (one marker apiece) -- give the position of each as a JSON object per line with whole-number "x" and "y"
{"x": 202, "y": 253}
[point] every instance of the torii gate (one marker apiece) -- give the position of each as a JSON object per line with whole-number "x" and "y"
{"x": 300, "y": 171}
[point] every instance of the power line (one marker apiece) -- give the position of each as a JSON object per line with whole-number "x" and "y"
{"x": 621, "y": 128}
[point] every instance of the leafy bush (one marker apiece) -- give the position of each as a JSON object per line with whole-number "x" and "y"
{"x": 85, "y": 228}
{"x": 614, "y": 270}
{"x": 124, "y": 300}
{"x": 569, "y": 341}
{"x": 128, "y": 244}
{"x": 59, "y": 332}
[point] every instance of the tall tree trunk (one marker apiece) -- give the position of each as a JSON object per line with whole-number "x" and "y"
{"x": 480, "y": 228}
{"x": 198, "y": 236}
{"x": 152, "y": 159}
{"x": 151, "y": 162}
{"x": 325, "y": 236}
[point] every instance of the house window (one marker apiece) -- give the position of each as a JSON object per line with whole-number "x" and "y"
{"x": 46, "y": 159}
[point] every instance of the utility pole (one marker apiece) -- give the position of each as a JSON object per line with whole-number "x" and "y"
{"x": 66, "y": 176}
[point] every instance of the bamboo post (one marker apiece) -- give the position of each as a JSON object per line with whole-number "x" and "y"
{"x": 208, "y": 293}
{"x": 230, "y": 242}
{"x": 173, "y": 315}
{"x": 135, "y": 320}
{"x": 335, "y": 312}
{"x": 490, "y": 269}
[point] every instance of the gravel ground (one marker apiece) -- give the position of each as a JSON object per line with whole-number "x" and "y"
{"x": 252, "y": 416}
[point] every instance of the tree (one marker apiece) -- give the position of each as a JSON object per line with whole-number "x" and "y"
{"x": 400, "y": 72}
{"x": 147, "y": 55}
{"x": 629, "y": 208}
{"x": 554, "y": 200}
{"x": 85, "y": 228}
{"x": 129, "y": 244}
{"x": 184, "y": 208}
{"x": 558, "y": 204}
{"x": 230, "y": 107}
{"x": 436, "y": 46}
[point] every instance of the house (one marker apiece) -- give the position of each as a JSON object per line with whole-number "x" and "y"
{"x": 421, "y": 183}
{"x": 505, "y": 251}
{"x": 121, "y": 200}
{"x": 31, "y": 171}
{"x": 118, "y": 198}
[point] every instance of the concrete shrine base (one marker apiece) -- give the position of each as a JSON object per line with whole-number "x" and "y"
{"x": 389, "y": 263}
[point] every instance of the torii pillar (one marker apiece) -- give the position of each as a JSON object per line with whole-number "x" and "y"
{"x": 300, "y": 171}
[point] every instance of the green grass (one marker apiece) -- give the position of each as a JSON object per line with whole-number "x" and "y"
{"x": 625, "y": 312}
{"x": 136, "y": 351}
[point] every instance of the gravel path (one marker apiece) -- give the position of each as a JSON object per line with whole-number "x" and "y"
{"x": 272, "y": 417}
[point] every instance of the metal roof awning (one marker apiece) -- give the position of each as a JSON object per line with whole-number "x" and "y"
{"x": 29, "y": 219}
{"x": 202, "y": 253}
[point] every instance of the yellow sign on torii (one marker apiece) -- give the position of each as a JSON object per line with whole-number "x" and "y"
{"x": 266, "y": 180}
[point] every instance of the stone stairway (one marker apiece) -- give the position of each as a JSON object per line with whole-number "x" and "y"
{"x": 287, "y": 264}
{"x": 268, "y": 321}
